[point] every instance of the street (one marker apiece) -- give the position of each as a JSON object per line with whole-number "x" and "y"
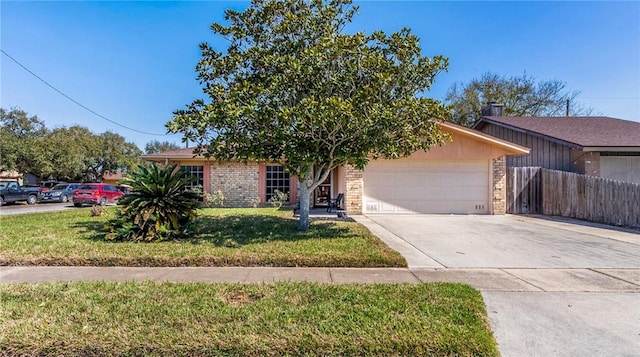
{"x": 22, "y": 207}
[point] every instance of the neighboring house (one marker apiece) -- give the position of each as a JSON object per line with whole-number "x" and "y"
{"x": 597, "y": 146}
{"x": 465, "y": 176}
{"x": 11, "y": 175}
{"x": 24, "y": 180}
{"x": 112, "y": 178}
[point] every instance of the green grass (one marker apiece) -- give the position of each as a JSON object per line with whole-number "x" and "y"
{"x": 197, "y": 319}
{"x": 223, "y": 237}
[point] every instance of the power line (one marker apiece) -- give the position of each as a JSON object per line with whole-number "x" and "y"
{"x": 75, "y": 101}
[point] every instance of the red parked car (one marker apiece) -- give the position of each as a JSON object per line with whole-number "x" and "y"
{"x": 96, "y": 193}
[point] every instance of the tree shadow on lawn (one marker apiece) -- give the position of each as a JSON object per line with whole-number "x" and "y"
{"x": 234, "y": 231}
{"x": 238, "y": 230}
{"x": 92, "y": 230}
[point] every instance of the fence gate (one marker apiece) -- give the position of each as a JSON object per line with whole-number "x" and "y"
{"x": 524, "y": 190}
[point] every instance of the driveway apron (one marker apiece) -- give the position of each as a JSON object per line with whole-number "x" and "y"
{"x": 552, "y": 288}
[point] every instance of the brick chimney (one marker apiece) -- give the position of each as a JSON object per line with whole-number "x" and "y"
{"x": 492, "y": 109}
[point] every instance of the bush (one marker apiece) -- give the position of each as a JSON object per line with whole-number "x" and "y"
{"x": 160, "y": 205}
{"x": 254, "y": 202}
{"x": 214, "y": 199}
{"x": 278, "y": 199}
{"x": 97, "y": 211}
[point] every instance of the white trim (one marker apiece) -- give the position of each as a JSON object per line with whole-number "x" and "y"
{"x": 485, "y": 137}
{"x": 612, "y": 148}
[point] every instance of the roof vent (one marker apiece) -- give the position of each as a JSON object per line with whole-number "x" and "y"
{"x": 492, "y": 109}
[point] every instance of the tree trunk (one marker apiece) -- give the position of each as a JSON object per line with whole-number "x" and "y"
{"x": 303, "y": 199}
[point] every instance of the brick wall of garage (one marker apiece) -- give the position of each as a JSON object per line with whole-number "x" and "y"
{"x": 499, "y": 185}
{"x": 238, "y": 182}
{"x": 354, "y": 188}
{"x": 586, "y": 163}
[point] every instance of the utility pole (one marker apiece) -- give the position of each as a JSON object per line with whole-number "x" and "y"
{"x": 567, "y": 112}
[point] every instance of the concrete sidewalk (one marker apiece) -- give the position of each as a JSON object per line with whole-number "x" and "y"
{"x": 506, "y": 280}
{"x": 536, "y": 310}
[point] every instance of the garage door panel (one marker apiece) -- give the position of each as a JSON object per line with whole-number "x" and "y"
{"x": 387, "y": 207}
{"x": 466, "y": 196}
{"x": 406, "y": 186}
{"x": 621, "y": 168}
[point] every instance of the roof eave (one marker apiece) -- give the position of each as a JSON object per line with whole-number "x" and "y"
{"x": 612, "y": 148}
{"x": 515, "y": 149}
{"x": 177, "y": 157}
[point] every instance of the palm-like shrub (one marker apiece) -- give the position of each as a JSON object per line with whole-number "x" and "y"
{"x": 160, "y": 205}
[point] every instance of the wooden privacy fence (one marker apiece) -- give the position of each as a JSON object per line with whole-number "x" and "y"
{"x": 565, "y": 194}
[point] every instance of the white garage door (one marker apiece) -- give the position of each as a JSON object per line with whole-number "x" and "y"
{"x": 414, "y": 186}
{"x": 621, "y": 168}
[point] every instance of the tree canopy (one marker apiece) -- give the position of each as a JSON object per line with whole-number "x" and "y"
{"x": 293, "y": 88}
{"x": 20, "y": 135}
{"x": 520, "y": 95}
{"x": 156, "y": 146}
{"x": 65, "y": 153}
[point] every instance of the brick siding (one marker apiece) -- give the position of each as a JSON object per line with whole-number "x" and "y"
{"x": 237, "y": 181}
{"x": 586, "y": 163}
{"x": 354, "y": 190}
{"x": 499, "y": 185}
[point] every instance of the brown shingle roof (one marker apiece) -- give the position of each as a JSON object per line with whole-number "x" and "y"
{"x": 582, "y": 131}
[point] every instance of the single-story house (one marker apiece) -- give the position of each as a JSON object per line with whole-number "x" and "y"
{"x": 23, "y": 179}
{"x": 11, "y": 175}
{"x": 465, "y": 176}
{"x": 598, "y": 146}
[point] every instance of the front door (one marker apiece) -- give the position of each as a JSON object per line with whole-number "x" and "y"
{"x": 322, "y": 193}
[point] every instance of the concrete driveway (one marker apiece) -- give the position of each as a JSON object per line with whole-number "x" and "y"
{"x": 552, "y": 287}
{"x": 511, "y": 242}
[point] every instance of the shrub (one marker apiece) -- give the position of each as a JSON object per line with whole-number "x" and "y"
{"x": 214, "y": 199}
{"x": 278, "y": 199}
{"x": 197, "y": 190}
{"x": 254, "y": 202}
{"x": 160, "y": 205}
{"x": 97, "y": 211}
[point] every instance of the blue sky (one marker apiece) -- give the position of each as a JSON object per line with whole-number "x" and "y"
{"x": 134, "y": 62}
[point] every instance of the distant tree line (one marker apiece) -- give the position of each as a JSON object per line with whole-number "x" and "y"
{"x": 67, "y": 153}
{"x": 520, "y": 95}
{"x": 156, "y": 146}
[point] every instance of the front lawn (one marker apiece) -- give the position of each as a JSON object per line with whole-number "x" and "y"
{"x": 197, "y": 319}
{"x": 223, "y": 237}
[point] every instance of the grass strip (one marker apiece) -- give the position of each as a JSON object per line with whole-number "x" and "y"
{"x": 222, "y": 237}
{"x": 198, "y": 319}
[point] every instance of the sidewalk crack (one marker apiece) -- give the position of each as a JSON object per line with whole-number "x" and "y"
{"x": 521, "y": 279}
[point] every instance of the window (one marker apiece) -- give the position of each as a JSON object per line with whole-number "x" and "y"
{"x": 198, "y": 173}
{"x": 277, "y": 179}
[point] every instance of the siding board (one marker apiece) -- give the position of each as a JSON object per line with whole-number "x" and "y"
{"x": 544, "y": 153}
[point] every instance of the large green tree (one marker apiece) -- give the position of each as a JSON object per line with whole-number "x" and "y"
{"x": 293, "y": 87}
{"x": 65, "y": 153}
{"x": 520, "y": 95}
{"x": 76, "y": 154}
{"x": 20, "y": 136}
{"x": 113, "y": 154}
